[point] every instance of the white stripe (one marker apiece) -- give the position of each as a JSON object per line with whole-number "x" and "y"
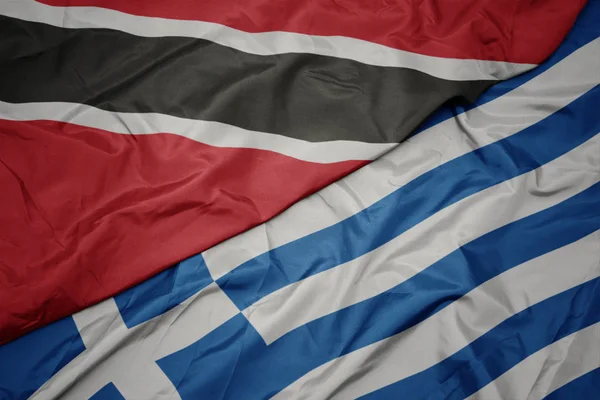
{"x": 265, "y": 43}
{"x": 127, "y": 357}
{"x": 496, "y": 120}
{"x": 454, "y": 327}
{"x": 208, "y": 132}
{"x": 426, "y": 243}
{"x": 548, "y": 369}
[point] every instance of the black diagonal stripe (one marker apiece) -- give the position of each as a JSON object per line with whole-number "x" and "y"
{"x": 305, "y": 96}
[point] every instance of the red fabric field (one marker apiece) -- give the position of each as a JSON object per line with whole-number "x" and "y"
{"x": 87, "y": 213}
{"x": 508, "y": 30}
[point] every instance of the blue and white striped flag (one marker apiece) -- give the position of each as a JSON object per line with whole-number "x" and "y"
{"x": 465, "y": 263}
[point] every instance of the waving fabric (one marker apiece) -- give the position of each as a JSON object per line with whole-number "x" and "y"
{"x": 134, "y": 134}
{"x": 462, "y": 263}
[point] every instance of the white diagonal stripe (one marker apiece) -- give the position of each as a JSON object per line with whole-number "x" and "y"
{"x": 208, "y": 132}
{"x": 548, "y": 369}
{"x": 426, "y": 243}
{"x": 264, "y": 43}
{"x": 496, "y": 120}
{"x": 454, "y": 327}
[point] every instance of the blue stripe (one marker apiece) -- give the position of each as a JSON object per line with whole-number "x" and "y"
{"x": 585, "y": 387}
{"x": 108, "y": 392}
{"x": 28, "y": 362}
{"x": 521, "y": 335}
{"x": 59, "y": 343}
{"x": 234, "y": 361}
{"x": 414, "y": 202}
{"x": 164, "y": 291}
{"x": 585, "y": 29}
